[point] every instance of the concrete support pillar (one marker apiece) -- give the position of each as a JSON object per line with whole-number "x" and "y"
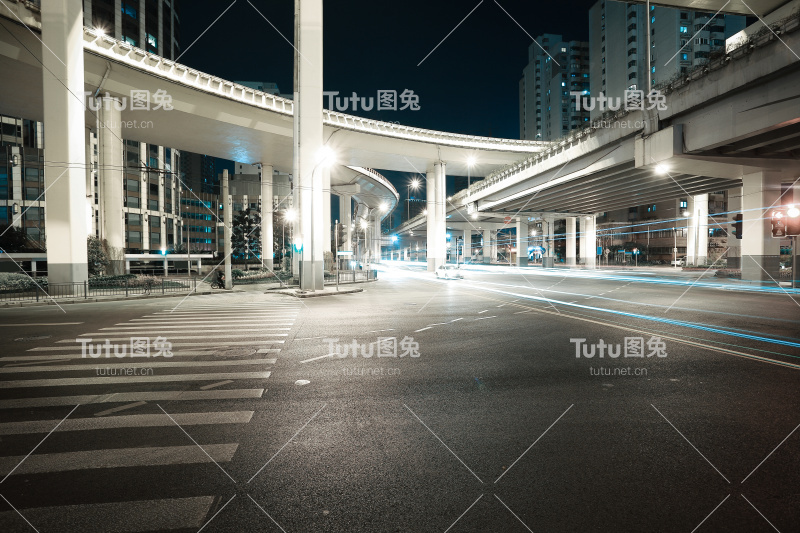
{"x": 548, "y": 231}
{"x": 760, "y": 251}
{"x": 522, "y": 241}
{"x": 440, "y": 170}
{"x": 734, "y": 245}
{"x": 697, "y": 230}
{"x": 486, "y": 248}
{"x": 308, "y": 141}
{"x": 327, "y": 223}
{"x": 346, "y": 219}
{"x": 467, "y": 250}
{"x": 63, "y": 85}
{"x": 376, "y": 237}
{"x": 493, "y": 245}
{"x": 589, "y": 242}
{"x": 227, "y": 217}
{"x": 267, "y": 218}
{"x": 110, "y": 181}
{"x": 432, "y": 253}
{"x": 406, "y": 252}
{"x": 572, "y": 233}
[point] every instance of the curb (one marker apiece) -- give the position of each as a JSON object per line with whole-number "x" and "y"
{"x": 298, "y": 294}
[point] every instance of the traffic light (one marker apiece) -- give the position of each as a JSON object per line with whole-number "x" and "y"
{"x": 792, "y": 221}
{"x": 778, "y": 223}
{"x": 737, "y": 226}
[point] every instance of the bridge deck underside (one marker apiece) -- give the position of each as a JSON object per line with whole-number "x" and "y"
{"x": 617, "y": 188}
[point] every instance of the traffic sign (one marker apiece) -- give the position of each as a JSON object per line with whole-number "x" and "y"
{"x": 345, "y": 253}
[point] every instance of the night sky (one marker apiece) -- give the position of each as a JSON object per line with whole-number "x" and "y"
{"x": 469, "y": 84}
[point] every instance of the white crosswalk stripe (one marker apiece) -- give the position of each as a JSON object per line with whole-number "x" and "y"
{"x": 129, "y": 516}
{"x": 218, "y": 355}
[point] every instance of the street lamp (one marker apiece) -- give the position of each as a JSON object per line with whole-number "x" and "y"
{"x": 470, "y": 164}
{"x": 414, "y": 184}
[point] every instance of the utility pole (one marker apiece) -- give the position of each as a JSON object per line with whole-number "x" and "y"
{"x": 226, "y": 222}
{"x": 336, "y": 251}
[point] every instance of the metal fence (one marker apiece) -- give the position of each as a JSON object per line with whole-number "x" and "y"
{"x": 352, "y": 276}
{"x": 89, "y": 289}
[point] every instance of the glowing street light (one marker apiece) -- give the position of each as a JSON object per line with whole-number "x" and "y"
{"x": 290, "y": 215}
{"x": 383, "y": 207}
{"x": 325, "y": 156}
{"x": 661, "y": 169}
{"x": 470, "y": 163}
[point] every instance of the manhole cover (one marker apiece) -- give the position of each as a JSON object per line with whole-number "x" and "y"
{"x": 37, "y": 338}
{"x": 234, "y": 352}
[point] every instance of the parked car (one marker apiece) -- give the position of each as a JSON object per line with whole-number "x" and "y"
{"x": 449, "y": 272}
{"x": 681, "y": 261}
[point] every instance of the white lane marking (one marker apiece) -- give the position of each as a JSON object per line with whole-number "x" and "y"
{"x": 157, "y": 515}
{"x": 120, "y": 457}
{"x": 50, "y": 324}
{"x": 53, "y": 360}
{"x": 92, "y": 364}
{"x": 309, "y": 338}
{"x": 69, "y": 382}
{"x": 77, "y": 355}
{"x": 120, "y": 408}
{"x": 317, "y": 358}
{"x": 378, "y": 330}
{"x": 208, "y": 343}
{"x": 126, "y": 421}
{"x": 182, "y": 337}
{"x": 178, "y": 328}
{"x": 485, "y": 317}
{"x": 423, "y": 329}
{"x": 173, "y": 395}
{"x": 481, "y": 312}
{"x": 214, "y": 385}
{"x": 268, "y": 350}
{"x": 456, "y": 320}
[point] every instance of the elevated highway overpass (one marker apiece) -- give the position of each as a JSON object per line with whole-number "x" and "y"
{"x": 733, "y": 124}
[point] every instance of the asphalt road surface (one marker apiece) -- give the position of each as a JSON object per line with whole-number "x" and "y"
{"x": 418, "y": 405}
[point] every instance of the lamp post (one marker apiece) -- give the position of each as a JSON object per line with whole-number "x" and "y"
{"x": 414, "y": 184}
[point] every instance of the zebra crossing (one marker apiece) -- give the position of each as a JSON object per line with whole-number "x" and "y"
{"x": 222, "y": 350}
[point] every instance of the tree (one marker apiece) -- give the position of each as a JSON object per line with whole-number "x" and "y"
{"x": 246, "y": 234}
{"x": 97, "y": 256}
{"x": 14, "y": 240}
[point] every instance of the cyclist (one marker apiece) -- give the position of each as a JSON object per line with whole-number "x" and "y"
{"x": 221, "y": 279}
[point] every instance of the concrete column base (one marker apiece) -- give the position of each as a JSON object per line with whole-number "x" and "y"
{"x": 734, "y": 262}
{"x": 312, "y": 275}
{"x": 761, "y": 267}
{"x": 548, "y": 262}
{"x": 66, "y": 272}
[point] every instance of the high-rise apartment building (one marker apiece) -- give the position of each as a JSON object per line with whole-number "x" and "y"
{"x": 680, "y": 39}
{"x": 555, "y": 68}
